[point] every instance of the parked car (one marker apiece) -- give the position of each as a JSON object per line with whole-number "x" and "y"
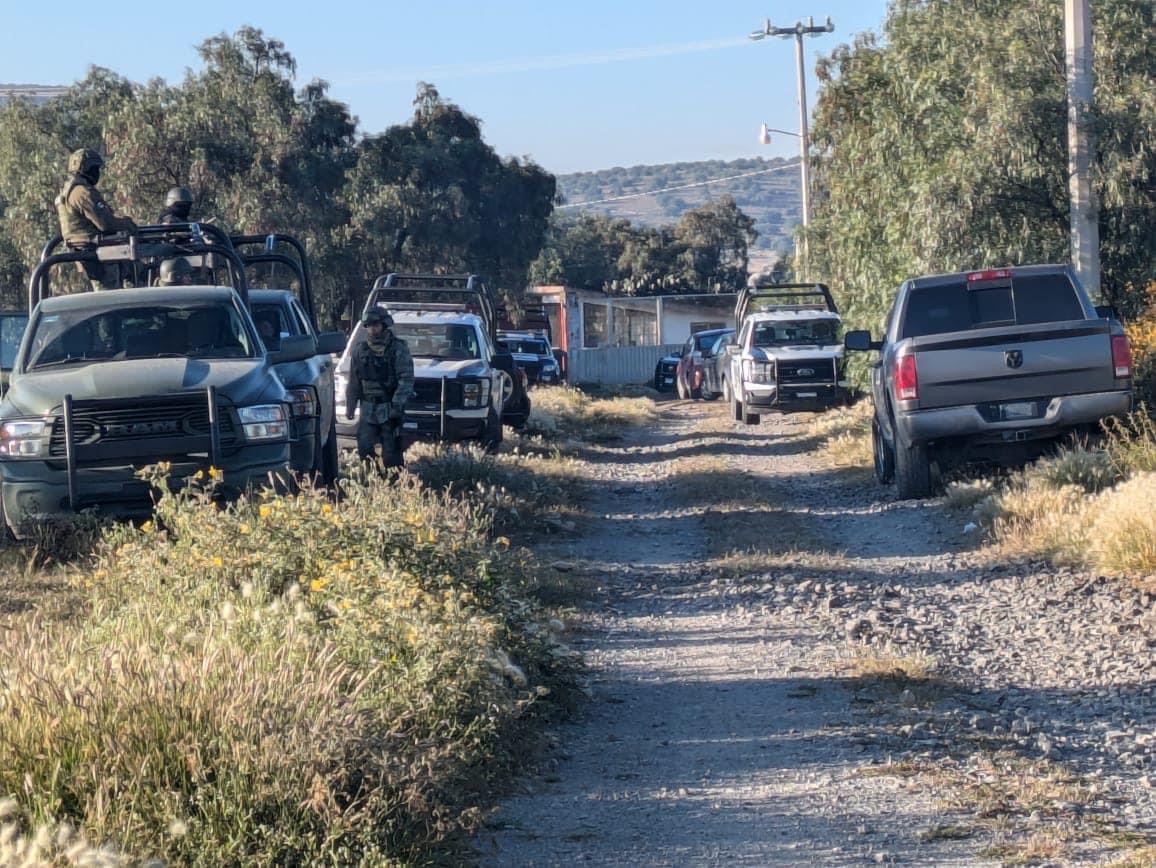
{"x": 994, "y": 365}
{"x": 689, "y": 375}
{"x": 710, "y": 387}
{"x": 278, "y": 314}
{"x": 533, "y": 355}
{"x": 664, "y": 370}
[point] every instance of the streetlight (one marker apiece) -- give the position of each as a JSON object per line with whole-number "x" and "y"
{"x": 804, "y": 141}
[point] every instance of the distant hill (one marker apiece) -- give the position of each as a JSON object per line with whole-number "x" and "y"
{"x": 770, "y": 197}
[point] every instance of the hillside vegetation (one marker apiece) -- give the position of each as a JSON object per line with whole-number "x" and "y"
{"x": 770, "y": 198}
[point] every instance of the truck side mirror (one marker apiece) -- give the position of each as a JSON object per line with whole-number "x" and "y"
{"x": 860, "y": 339}
{"x": 503, "y": 362}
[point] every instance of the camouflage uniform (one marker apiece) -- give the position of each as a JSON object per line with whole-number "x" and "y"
{"x": 84, "y": 215}
{"x": 380, "y": 384}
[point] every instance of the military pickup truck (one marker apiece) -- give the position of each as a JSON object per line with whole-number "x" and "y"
{"x": 993, "y": 365}
{"x": 787, "y": 354}
{"x": 105, "y": 383}
{"x": 465, "y": 388}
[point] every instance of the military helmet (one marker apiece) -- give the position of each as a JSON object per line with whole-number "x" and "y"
{"x": 84, "y": 160}
{"x": 178, "y": 195}
{"x": 174, "y": 269}
{"x": 376, "y": 314}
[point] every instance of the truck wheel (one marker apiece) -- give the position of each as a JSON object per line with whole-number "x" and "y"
{"x": 709, "y": 396}
{"x": 696, "y": 394}
{"x": 680, "y": 387}
{"x": 883, "y": 455}
{"x": 736, "y": 405}
{"x": 751, "y": 418}
{"x": 491, "y": 438}
{"x": 912, "y": 469}
{"x": 330, "y": 464}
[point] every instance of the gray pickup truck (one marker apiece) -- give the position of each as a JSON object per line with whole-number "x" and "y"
{"x": 105, "y": 383}
{"x": 993, "y": 365}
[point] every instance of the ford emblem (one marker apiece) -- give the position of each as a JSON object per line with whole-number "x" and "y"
{"x": 806, "y": 372}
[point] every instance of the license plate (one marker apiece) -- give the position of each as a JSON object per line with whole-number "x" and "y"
{"x": 1020, "y": 410}
{"x": 807, "y": 394}
{"x": 669, "y": 380}
{"x": 410, "y": 425}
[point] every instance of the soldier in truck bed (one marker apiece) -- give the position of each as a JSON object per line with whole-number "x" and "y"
{"x": 85, "y": 215}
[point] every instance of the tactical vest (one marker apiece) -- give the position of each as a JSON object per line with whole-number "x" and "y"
{"x": 378, "y": 374}
{"x": 74, "y": 226}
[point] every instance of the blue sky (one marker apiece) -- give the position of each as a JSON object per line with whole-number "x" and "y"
{"x": 573, "y": 86}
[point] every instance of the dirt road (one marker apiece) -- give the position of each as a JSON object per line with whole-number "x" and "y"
{"x": 863, "y": 683}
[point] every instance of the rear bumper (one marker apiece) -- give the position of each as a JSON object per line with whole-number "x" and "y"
{"x": 1062, "y": 413}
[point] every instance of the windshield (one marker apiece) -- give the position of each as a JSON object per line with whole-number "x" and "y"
{"x": 203, "y": 331}
{"x": 804, "y": 331}
{"x": 531, "y": 346}
{"x": 438, "y": 340}
{"x": 704, "y": 342}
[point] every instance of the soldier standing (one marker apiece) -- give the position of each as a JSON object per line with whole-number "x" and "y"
{"x": 178, "y": 204}
{"x": 380, "y": 384}
{"x": 85, "y": 216}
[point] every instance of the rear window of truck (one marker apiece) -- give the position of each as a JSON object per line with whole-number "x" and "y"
{"x": 1020, "y": 300}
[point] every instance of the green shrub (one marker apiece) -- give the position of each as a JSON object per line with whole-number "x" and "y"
{"x": 285, "y": 681}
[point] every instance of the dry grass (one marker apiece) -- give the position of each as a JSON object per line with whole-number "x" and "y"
{"x": 289, "y": 680}
{"x": 564, "y": 412}
{"x": 887, "y": 662}
{"x": 845, "y": 435}
{"x": 1138, "y": 856}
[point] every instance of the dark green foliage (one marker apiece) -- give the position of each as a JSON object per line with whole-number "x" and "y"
{"x": 260, "y": 157}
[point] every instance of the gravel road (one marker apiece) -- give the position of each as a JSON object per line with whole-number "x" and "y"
{"x": 750, "y": 710}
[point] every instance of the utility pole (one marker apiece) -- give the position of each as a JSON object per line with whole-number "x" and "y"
{"x": 1084, "y": 220}
{"x": 798, "y": 31}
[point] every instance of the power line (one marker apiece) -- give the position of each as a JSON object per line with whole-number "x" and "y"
{"x": 679, "y": 187}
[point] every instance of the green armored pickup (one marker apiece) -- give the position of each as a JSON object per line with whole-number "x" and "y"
{"x": 105, "y": 383}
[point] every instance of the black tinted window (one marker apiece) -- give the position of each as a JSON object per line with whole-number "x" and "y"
{"x": 1025, "y": 300}
{"x": 1046, "y": 298}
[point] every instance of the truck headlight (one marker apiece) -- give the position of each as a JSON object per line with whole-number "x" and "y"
{"x": 263, "y": 422}
{"x": 475, "y": 393}
{"x": 25, "y": 438}
{"x": 758, "y": 372}
{"x": 303, "y": 401}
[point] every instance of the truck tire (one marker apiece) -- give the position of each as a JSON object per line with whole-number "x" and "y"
{"x": 912, "y": 469}
{"x": 882, "y": 454}
{"x": 330, "y": 463}
{"x": 751, "y": 418}
{"x": 732, "y": 399}
{"x": 491, "y": 437}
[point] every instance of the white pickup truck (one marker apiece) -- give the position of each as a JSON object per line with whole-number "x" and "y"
{"x": 787, "y": 354}
{"x": 465, "y": 388}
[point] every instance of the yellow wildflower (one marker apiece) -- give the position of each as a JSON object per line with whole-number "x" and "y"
{"x": 318, "y": 583}
{"x": 264, "y": 509}
{"x": 217, "y": 562}
{"x": 147, "y": 527}
{"x": 243, "y": 528}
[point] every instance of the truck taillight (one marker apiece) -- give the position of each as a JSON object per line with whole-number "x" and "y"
{"x": 906, "y": 380}
{"x": 1121, "y": 355}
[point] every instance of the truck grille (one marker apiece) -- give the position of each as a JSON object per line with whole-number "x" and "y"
{"x": 427, "y": 393}
{"x": 162, "y": 429}
{"x": 533, "y": 370}
{"x": 801, "y": 371}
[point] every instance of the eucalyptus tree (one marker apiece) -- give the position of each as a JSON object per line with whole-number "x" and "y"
{"x": 431, "y": 195}
{"x": 942, "y": 146}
